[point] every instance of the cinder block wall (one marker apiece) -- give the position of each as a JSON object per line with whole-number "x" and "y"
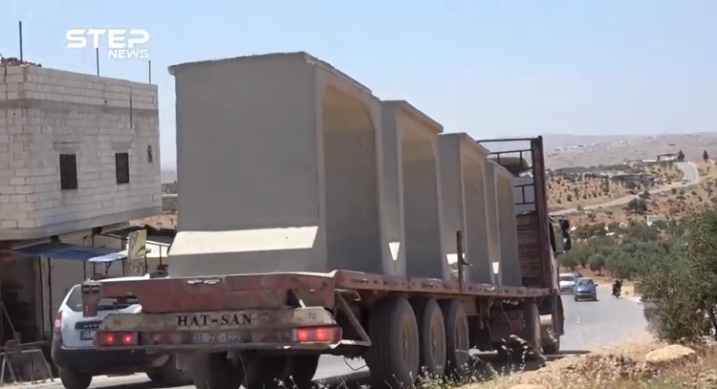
{"x": 46, "y": 113}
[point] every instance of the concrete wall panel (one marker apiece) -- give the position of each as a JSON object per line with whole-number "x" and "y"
{"x": 419, "y": 184}
{"x": 464, "y": 204}
{"x": 501, "y": 196}
{"x": 278, "y": 168}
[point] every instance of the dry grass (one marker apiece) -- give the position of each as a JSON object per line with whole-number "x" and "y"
{"x": 673, "y": 204}
{"x": 570, "y": 191}
{"x": 618, "y": 367}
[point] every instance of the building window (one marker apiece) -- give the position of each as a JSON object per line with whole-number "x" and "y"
{"x": 68, "y": 171}
{"x": 122, "y": 168}
{"x": 150, "y": 156}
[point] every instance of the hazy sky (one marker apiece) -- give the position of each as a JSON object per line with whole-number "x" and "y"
{"x": 490, "y": 68}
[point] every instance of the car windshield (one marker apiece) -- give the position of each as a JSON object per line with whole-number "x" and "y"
{"x": 585, "y": 282}
{"x": 567, "y": 277}
{"x": 74, "y": 301}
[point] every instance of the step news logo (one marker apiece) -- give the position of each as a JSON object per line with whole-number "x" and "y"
{"x": 120, "y": 43}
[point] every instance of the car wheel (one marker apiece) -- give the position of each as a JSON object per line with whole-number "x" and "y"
{"x": 73, "y": 379}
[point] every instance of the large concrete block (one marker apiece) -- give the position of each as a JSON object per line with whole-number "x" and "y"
{"x": 278, "y": 159}
{"x": 500, "y": 196}
{"x": 412, "y": 136}
{"x": 466, "y": 207}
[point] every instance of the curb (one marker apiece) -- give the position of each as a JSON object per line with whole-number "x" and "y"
{"x": 58, "y": 384}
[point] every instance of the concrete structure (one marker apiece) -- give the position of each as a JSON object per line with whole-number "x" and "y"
{"x": 501, "y": 196}
{"x": 465, "y": 206}
{"x": 76, "y": 152}
{"x": 411, "y": 157}
{"x": 279, "y": 168}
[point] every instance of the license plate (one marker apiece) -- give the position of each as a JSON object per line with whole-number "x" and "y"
{"x": 215, "y": 337}
{"x": 87, "y": 335}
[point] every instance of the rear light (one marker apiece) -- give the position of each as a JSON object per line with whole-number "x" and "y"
{"x": 58, "y": 322}
{"x": 116, "y": 338}
{"x": 331, "y": 334}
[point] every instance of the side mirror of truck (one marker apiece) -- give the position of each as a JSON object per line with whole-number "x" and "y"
{"x": 565, "y": 229}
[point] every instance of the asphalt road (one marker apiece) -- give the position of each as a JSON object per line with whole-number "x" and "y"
{"x": 589, "y": 325}
{"x": 690, "y": 174}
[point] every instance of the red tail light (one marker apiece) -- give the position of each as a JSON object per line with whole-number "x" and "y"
{"x": 58, "y": 322}
{"x": 330, "y": 334}
{"x": 116, "y": 338}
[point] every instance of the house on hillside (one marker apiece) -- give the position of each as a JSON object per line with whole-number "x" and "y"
{"x": 78, "y": 160}
{"x": 670, "y": 157}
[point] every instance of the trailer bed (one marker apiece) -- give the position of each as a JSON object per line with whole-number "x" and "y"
{"x": 269, "y": 290}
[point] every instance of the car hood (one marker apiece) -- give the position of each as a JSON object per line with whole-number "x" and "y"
{"x": 567, "y": 283}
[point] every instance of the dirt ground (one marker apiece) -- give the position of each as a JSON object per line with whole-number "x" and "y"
{"x": 630, "y": 365}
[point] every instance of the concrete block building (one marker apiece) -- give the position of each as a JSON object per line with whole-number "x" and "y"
{"x": 79, "y": 156}
{"x": 76, "y": 152}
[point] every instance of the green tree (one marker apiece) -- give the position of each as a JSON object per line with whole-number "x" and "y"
{"x": 680, "y": 282}
{"x": 596, "y": 263}
{"x": 705, "y": 156}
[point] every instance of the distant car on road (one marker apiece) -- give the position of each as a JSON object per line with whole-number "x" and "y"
{"x": 75, "y": 354}
{"x": 567, "y": 282}
{"x": 585, "y": 289}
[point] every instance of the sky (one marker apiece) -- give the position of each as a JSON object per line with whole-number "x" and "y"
{"x": 489, "y": 68}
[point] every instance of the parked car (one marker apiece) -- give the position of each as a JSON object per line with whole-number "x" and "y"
{"x": 567, "y": 282}
{"x": 585, "y": 289}
{"x": 78, "y": 360}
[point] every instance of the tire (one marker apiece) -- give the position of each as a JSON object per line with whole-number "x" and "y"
{"x": 266, "y": 371}
{"x": 553, "y": 346}
{"x": 280, "y": 371}
{"x": 393, "y": 357}
{"x": 431, "y": 335}
{"x": 532, "y": 334}
{"x": 457, "y": 338}
{"x": 303, "y": 369}
{"x": 215, "y": 371}
{"x": 73, "y": 379}
{"x": 169, "y": 375}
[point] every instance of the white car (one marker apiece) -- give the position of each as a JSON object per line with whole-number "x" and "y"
{"x": 567, "y": 282}
{"x": 77, "y": 358}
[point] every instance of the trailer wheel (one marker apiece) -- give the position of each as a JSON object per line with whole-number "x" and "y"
{"x": 457, "y": 338}
{"x": 215, "y": 371}
{"x": 303, "y": 369}
{"x": 265, "y": 371}
{"x": 431, "y": 335}
{"x": 552, "y": 346}
{"x": 393, "y": 357}
{"x": 532, "y": 332}
{"x": 168, "y": 374}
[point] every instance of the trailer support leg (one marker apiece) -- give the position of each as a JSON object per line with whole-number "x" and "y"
{"x": 344, "y": 307}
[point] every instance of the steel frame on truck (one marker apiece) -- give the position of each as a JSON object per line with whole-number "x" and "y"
{"x": 277, "y": 324}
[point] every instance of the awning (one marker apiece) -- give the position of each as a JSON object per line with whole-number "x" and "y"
{"x": 71, "y": 252}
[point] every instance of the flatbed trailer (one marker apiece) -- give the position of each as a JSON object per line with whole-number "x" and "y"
{"x": 251, "y": 329}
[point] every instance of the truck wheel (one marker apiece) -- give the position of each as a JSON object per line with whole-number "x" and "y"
{"x": 303, "y": 369}
{"x": 552, "y": 346}
{"x": 73, "y": 379}
{"x": 531, "y": 333}
{"x": 215, "y": 371}
{"x": 431, "y": 335}
{"x": 266, "y": 371}
{"x": 393, "y": 357}
{"x": 457, "y": 338}
{"x": 168, "y": 374}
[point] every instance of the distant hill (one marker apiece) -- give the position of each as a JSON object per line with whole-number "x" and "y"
{"x": 568, "y": 150}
